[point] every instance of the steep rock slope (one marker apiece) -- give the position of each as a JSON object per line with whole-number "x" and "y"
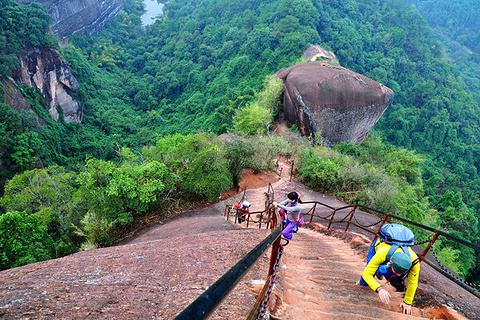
{"x": 154, "y": 276}
{"x": 318, "y": 282}
{"x": 78, "y": 16}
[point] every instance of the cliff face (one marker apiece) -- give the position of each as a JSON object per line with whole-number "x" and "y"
{"x": 331, "y": 101}
{"x": 14, "y": 98}
{"x": 78, "y": 16}
{"x": 47, "y": 71}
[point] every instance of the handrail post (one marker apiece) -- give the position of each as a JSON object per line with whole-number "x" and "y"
{"x": 270, "y": 218}
{"x": 350, "y": 219}
{"x": 248, "y": 218}
{"x": 313, "y": 213}
{"x": 260, "y": 221}
{"x": 273, "y": 225}
{"x": 331, "y": 219}
{"x": 227, "y": 209}
{"x": 273, "y": 258}
{"x": 291, "y": 169}
{"x": 385, "y": 220}
{"x": 236, "y": 216}
{"x": 429, "y": 246}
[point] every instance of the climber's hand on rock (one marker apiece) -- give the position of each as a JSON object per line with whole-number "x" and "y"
{"x": 406, "y": 309}
{"x": 384, "y": 296}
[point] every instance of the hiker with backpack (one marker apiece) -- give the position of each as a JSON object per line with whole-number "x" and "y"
{"x": 391, "y": 257}
{"x": 291, "y": 214}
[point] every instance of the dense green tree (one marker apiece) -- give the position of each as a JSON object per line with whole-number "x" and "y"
{"x": 21, "y": 27}
{"x": 23, "y": 239}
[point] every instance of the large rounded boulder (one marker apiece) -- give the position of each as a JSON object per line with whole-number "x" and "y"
{"x": 332, "y": 103}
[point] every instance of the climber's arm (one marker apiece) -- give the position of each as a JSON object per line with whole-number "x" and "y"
{"x": 412, "y": 283}
{"x": 372, "y": 267}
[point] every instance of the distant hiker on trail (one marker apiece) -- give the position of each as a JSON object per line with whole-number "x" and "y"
{"x": 291, "y": 214}
{"x": 391, "y": 257}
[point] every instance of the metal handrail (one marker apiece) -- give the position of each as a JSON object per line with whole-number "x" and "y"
{"x": 206, "y": 303}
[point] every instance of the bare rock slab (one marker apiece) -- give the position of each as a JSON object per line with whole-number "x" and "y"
{"x": 78, "y": 16}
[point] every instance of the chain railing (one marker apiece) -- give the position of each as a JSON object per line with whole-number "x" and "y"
{"x": 350, "y": 219}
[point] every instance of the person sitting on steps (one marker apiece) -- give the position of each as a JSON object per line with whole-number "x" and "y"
{"x": 391, "y": 257}
{"x": 292, "y": 217}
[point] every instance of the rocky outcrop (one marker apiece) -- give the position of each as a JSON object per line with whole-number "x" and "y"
{"x": 331, "y": 101}
{"x": 47, "y": 71}
{"x": 317, "y": 53}
{"x": 78, "y": 16}
{"x": 14, "y": 98}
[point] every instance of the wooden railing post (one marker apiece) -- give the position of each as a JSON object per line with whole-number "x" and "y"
{"x": 429, "y": 246}
{"x": 313, "y": 213}
{"x": 273, "y": 225}
{"x": 331, "y": 219}
{"x": 291, "y": 169}
{"x": 350, "y": 219}
{"x": 385, "y": 220}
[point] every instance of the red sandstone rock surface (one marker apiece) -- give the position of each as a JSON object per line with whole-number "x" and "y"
{"x": 154, "y": 277}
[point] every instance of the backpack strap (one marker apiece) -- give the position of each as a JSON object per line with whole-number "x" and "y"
{"x": 390, "y": 253}
{"x": 394, "y": 248}
{"x": 413, "y": 264}
{"x": 293, "y": 204}
{"x": 295, "y": 220}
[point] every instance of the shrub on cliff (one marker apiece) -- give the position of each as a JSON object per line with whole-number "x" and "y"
{"x": 209, "y": 174}
{"x": 111, "y": 196}
{"x": 239, "y": 154}
{"x": 257, "y": 117}
{"x": 253, "y": 119}
{"x": 24, "y": 239}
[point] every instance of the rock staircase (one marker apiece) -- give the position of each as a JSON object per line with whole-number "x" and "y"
{"x": 319, "y": 272}
{"x": 317, "y": 281}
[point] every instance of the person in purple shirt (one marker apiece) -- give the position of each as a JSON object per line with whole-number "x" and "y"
{"x": 293, "y": 214}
